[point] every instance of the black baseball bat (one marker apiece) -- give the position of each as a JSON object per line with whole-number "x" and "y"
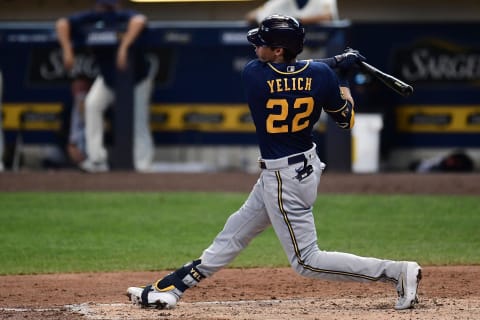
{"x": 390, "y": 81}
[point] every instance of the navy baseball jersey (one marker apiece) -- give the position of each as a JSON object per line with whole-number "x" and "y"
{"x": 100, "y": 32}
{"x": 286, "y": 100}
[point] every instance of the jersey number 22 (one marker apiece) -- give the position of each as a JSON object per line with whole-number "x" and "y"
{"x": 276, "y": 123}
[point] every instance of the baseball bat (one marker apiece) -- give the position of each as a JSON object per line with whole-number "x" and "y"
{"x": 390, "y": 81}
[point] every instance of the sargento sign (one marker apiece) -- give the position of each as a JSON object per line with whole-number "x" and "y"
{"x": 438, "y": 61}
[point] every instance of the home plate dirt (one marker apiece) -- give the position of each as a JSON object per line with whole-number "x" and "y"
{"x": 314, "y": 309}
{"x": 446, "y": 292}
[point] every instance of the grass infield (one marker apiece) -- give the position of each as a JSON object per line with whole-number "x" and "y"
{"x": 109, "y": 231}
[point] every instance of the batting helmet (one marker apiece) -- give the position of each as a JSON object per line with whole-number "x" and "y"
{"x": 279, "y": 32}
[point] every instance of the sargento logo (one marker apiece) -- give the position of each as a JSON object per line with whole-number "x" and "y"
{"x": 46, "y": 66}
{"x": 438, "y": 61}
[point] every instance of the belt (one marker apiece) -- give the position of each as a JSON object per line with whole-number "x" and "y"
{"x": 291, "y": 160}
{"x": 275, "y": 164}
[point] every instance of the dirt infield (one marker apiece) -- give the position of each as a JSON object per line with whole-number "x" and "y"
{"x": 237, "y": 181}
{"x": 445, "y": 293}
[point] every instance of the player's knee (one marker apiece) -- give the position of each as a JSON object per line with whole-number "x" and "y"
{"x": 303, "y": 261}
{"x": 299, "y": 268}
{"x": 95, "y": 101}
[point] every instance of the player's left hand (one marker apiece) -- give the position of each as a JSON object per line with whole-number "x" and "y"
{"x": 349, "y": 59}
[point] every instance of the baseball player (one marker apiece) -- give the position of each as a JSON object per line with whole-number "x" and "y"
{"x": 100, "y": 28}
{"x": 286, "y": 98}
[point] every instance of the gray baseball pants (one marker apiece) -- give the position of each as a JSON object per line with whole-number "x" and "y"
{"x": 280, "y": 200}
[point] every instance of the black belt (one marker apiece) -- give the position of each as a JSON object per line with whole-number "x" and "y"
{"x": 292, "y": 160}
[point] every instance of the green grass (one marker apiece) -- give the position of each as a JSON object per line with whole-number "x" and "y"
{"x": 76, "y": 232}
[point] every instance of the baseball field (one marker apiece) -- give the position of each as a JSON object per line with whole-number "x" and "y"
{"x": 72, "y": 243}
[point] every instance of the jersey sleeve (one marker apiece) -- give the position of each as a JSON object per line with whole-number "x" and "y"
{"x": 248, "y": 77}
{"x": 344, "y": 116}
{"x": 337, "y": 106}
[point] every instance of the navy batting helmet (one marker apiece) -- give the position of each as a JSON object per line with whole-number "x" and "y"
{"x": 279, "y": 32}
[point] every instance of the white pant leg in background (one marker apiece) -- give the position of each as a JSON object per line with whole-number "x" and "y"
{"x": 143, "y": 146}
{"x": 1, "y": 123}
{"x": 99, "y": 97}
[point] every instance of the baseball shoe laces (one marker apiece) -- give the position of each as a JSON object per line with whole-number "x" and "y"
{"x": 407, "y": 285}
{"x": 153, "y": 297}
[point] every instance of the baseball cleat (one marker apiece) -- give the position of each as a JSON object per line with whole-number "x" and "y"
{"x": 150, "y": 297}
{"x": 407, "y": 285}
{"x": 93, "y": 167}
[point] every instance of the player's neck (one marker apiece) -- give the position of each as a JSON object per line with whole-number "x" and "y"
{"x": 282, "y": 60}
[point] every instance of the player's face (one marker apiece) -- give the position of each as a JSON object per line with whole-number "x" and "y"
{"x": 267, "y": 54}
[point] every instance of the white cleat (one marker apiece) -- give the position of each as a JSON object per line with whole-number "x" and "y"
{"x": 93, "y": 167}
{"x": 407, "y": 285}
{"x": 149, "y": 297}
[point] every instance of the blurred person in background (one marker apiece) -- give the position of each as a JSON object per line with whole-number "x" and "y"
{"x": 76, "y": 146}
{"x": 305, "y": 11}
{"x": 100, "y": 27}
{"x": 1, "y": 124}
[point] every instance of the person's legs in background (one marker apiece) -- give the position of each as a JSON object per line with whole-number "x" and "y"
{"x": 99, "y": 97}
{"x": 143, "y": 145}
{"x": 76, "y": 147}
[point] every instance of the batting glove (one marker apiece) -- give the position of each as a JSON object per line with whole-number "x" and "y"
{"x": 349, "y": 59}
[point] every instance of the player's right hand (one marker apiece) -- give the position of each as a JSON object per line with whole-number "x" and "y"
{"x": 349, "y": 59}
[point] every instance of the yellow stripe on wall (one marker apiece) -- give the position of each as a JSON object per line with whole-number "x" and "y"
{"x": 438, "y": 119}
{"x": 201, "y": 117}
{"x": 40, "y": 116}
{"x": 204, "y": 117}
{"x": 163, "y": 117}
